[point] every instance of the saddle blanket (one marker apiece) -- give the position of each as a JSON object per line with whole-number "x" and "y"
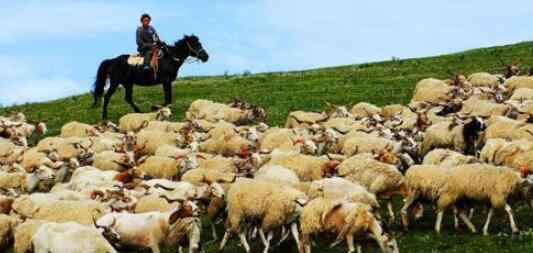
{"x": 135, "y": 60}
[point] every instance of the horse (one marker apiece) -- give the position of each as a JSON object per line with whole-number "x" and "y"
{"x": 120, "y": 72}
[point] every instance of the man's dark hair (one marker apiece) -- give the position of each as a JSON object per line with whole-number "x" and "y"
{"x": 145, "y": 15}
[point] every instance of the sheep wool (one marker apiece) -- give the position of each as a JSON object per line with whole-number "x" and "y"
{"x": 522, "y": 94}
{"x": 379, "y": 178}
{"x": 148, "y": 141}
{"x": 160, "y": 167}
{"x": 298, "y": 119}
{"x": 77, "y": 129}
{"x": 447, "y": 158}
{"x": 340, "y": 188}
{"x": 483, "y": 108}
{"x": 81, "y": 212}
{"x": 7, "y": 226}
{"x": 431, "y": 90}
{"x": 136, "y": 121}
{"x": 308, "y": 168}
{"x": 153, "y": 203}
{"x": 24, "y": 234}
{"x": 363, "y": 109}
{"x": 483, "y": 79}
{"x": 516, "y": 82}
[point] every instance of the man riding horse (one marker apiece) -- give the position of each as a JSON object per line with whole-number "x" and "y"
{"x": 147, "y": 39}
{"x": 120, "y": 71}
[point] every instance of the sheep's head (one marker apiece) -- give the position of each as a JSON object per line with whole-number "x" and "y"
{"x": 387, "y": 156}
{"x": 162, "y": 112}
{"x": 186, "y": 209}
{"x": 511, "y": 70}
{"x": 329, "y": 168}
{"x": 41, "y": 128}
{"x": 109, "y": 232}
{"x": 388, "y": 244}
{"x": 262, "y": 127}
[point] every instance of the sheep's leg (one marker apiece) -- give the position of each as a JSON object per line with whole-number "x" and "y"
{"x": 267, "y": 245}
{"x": 391, "y": 212}
{"x": 295, "y": 234}
{"x": 455, "y": 219}
{"x": 509, "y": 211}
{"x": 224, "y": 241}
{"x": 180, "y": 249}
{"x": 242, "y": 237}
{"x": 487, "y": 222}
{"x": 359, "y": 248}
{"x": 403, "y": 213}
{"x": 438, "y": 223}
{"x": 471, "y": 213}
{"x": 467, "y": 221}
{"x": 305, "y": 247}
{"x": 350, "y": 242}
{"x": 214, "y": 231}
{"x": 262, "y": 236}
{"x": 155, "y": 248}
{"x": 284, "y": 235}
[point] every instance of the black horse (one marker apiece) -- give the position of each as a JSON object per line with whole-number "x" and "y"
{"x": 120, "y": 72}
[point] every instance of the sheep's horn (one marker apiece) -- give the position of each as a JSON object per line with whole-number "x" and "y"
{"x": 171, "y": 200}
{"x": 163, "y": 187}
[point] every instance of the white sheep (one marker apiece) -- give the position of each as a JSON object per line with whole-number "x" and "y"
{"x": 69, "y": 237}
{"x": 136, "y": 121}
{"x": 148, "y": 141}
{"x": 432, "y": 90}
{"x": 345, "y": 219}
{"x": 78, "y": 129}
{"x": 483, "y": 79}
{"x": 301, "y": 119}
{"x": 271, "y": 204}
{"x": 152, "y": 229}
{"x": 447, "y": 158}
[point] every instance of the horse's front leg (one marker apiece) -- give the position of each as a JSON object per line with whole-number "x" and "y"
{"x": 167, "y": 88}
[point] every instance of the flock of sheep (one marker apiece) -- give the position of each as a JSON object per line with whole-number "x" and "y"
{"x": 146, "y": 182}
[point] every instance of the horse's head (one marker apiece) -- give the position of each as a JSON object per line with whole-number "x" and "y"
{"x": 195, "y": 47}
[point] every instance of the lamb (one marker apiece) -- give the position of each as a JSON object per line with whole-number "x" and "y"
{"x": 379, "y": 178}
{"x": 461, "y": 137}
{"x": 365, "y": 110}
{"x": 426, "y": 182}
{"x": 493, "y": 184}
{"x": 152, "y": 229}
{"x": 110, "y": 160}
{"x": 340, "y": 188}
{"x": 346, "y": 219}
{"x": 81, "y": 212}
{"x": 23, "y": 235}
{"x": 7, "y": 226}
{"x": 136, "y": 121}
{"x": 502, "y": 127}
{"x": 161, "y": 167}
{"x": 149, "y": 141}
{"x": 214, "y": 112}
{"x": 228, "y": 145}
{"x": 514, "y": 154}
{"x": 301, "y": 119}
{"x": 447, "y": 158}
{"x": 285, "y": 139}
{"x": 166, "y": 126}
{"x": 516, "y": 82}
{"x": 483, "y": 79}
{"x": 522, "y": 94}
{"x": 69, "y": 237}
{"x": 432, "y": 90}
{"x": 41, "y": 179}
{"x": 272, "y": 204}
{"x": 308, "y": 168}
{"x": 78, "y": 129}
{"x": 483, "y": 108}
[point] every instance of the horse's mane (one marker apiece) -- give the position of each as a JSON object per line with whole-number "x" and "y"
{"x": 185, "y": 38}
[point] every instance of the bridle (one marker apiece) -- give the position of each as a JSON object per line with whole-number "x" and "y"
{"x": 196, "y": 53}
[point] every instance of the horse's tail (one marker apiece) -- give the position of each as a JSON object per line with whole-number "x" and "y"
{"x": 101, "y": 78}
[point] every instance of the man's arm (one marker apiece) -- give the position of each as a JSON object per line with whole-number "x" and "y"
{"x": 156, "y": 36}
{"x": 138, "y": 38}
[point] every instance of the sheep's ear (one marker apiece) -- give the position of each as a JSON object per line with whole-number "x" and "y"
{"x": 329, "y": 212}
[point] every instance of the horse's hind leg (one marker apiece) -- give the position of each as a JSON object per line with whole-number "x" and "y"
{"x": 129, "y": 97}
{"x": 112, "y": 88}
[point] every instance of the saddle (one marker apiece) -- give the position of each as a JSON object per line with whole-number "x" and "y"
{"x": 138, "y": 59}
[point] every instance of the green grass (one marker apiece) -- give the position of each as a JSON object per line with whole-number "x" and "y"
{"x": 380, "y": 83}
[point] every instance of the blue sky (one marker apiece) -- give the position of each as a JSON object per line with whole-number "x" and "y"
{"x": 51, "y": 49}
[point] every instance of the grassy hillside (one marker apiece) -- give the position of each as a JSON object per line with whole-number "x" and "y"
{"x": 380, "y": 83}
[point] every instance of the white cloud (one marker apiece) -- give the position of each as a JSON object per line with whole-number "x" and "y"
{"x": 38, "y": 90}
{"x": 64, "y": 19}
{"x": 24, "y": 80}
